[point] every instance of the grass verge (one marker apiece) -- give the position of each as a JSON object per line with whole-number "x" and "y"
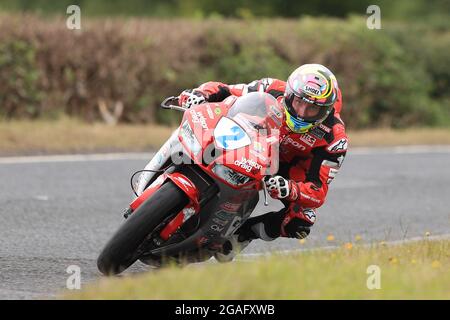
{"x": 416, "y": 270}
{"x": 72, "y": 136}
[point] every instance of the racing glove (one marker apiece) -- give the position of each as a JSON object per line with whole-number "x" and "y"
{"x": 281, "y": 188}
{"x": 191, "y": 97}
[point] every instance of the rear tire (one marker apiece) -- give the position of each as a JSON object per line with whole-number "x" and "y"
{"x": 120, "y": 251}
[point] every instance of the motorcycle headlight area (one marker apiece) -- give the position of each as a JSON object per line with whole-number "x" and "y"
{"x": 230, "y": 176}
{"x": 189, "y": 139}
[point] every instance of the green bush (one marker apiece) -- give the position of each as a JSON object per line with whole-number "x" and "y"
{"x": 19, "y": 75}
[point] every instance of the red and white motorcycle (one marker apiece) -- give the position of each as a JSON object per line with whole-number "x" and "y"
{"x": 201, "y": 185}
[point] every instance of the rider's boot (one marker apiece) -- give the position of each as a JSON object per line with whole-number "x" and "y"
{"x": 265, "y": 227}
{"x": 232, "y": 247}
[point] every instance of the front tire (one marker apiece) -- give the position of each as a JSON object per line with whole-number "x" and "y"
{"x": 120, "y": 251}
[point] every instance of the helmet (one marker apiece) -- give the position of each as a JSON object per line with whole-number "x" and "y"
{"x": 311, "y": 91}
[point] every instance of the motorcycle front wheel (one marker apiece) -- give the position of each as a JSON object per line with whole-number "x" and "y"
{"x": 121, "y": 250}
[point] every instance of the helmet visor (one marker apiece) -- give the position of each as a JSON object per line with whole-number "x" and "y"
{"x": 308, "y": 111}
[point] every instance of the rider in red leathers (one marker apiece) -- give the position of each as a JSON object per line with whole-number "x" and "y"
{"x": 313, "y": 144}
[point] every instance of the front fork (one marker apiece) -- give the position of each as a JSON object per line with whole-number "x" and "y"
{"x": 182, "y": 182}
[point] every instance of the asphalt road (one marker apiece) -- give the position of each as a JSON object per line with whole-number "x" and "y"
{"x": 60, "y": 212}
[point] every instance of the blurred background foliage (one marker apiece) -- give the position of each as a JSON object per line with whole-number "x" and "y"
{"x": 137, "y": 52}
{"x": 430, "y": 10}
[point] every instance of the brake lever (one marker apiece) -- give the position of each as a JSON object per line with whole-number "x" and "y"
{"x": 165, "y": 104}
{"x": 266, "y": 202}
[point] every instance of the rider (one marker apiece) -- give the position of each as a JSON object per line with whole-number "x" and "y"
{"x": 313, "y": 144}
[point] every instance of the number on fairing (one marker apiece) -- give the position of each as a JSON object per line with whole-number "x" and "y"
{"x": 229, "y": 135}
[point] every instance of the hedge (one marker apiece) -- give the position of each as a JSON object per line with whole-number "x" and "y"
{"x": 397, "y": 76}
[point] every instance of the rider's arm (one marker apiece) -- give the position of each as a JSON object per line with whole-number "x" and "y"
{"x": 218, "y": 91}
{"x": 325, "y": 164}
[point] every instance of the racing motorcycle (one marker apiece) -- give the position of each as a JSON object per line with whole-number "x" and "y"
{"x": 201, "y": 186}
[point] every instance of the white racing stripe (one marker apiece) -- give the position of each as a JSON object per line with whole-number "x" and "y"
{"x": 400, "y": 150}
{"x": 148, "y": 155}
{"x": 251, "y": 256}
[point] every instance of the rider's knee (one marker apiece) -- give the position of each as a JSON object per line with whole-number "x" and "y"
{"x": 298, "y": 222}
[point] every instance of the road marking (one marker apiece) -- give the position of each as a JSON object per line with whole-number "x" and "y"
{"x": 400, "y": 150}
{"x": 41, "y": 197}
{"x": 148, "y": 155}
{"x": 251, "y": 256}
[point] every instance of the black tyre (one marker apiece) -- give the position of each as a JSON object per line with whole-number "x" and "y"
{"x": 120, "y": 252}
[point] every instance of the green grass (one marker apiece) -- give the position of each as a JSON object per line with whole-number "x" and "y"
{"x": 68, "y": 135}
{"x": 418, "y": 270}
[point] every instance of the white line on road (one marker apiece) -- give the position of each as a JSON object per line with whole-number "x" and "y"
{"x": 400, "y": 150}
{"x": 148, "y": 155}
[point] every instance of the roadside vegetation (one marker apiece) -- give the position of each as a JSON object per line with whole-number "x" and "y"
{"x": 120, "y": 69}
{"x": 416, "y": 270}
{"x": 26, "y": 137}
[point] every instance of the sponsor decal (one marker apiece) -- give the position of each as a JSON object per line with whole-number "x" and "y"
{"x": 233, "y": 226}
{"x": 230, "y": 207}
{"x": 308, "y": 139}
{"x": 276, "y": 120}
{"x": 275, "y": 114}
{"x": 317, "y": 133}
{"x": 247, "y": 164}
{"x": 217, "y": 110}
{"x": 303, "y": 195}
{"x": 220, "y": 221}
{"x": 312, "y": 90}
{"x": 188, "y": 212}
{"x": 197, "y": 117}
{"x": 296, "y": 144}
{"x": 310, "y": 215}
{"x": 275, "y": 111}
{"x": 209, "y": 111}
{"x": 324, "y": 128}
{"x": 338, "y": 146}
